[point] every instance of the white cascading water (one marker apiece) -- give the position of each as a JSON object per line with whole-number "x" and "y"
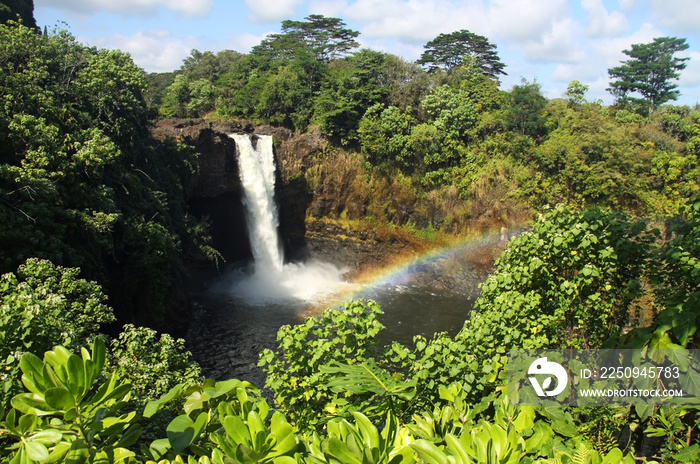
{"x": 272, "y": 280}
{"x": 257, "y": 168}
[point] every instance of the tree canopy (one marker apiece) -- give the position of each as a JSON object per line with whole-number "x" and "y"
{"x": 448, "y": 51}
{"x": 649, "y": 72}
{"x": 10, "y": 9}
{"x": 326, "y": 38}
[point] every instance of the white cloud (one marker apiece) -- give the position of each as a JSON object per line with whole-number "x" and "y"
{"x": 526, "y": 19}
{"x": 268, "y": 11}
{"x": 679, "y": 16}
{"x": 690, "y": 76}
{"x": 558, "y": 44}
{"x": 600, "y": 22}
{"x": 408, "y": 22}
{"x": 187, "y": 8}
{"x": 154, "y": 51}
{"x": 242, "y": 43}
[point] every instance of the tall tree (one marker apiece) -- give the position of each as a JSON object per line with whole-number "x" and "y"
{"x": 447, "y": 51}
{"x": 524, "y": 113}
{"x": 326, "y": 38}
{"x": 10, "y": 9}
{"x": 649, "y": 72}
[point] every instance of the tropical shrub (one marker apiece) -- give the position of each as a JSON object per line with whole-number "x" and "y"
{"x": 153, "y": 365}
{"x": 294, "y": 375}
{"x": 42, "y": 305}
{"x": 70, "y": 412}
{"x": 569, "y": 282}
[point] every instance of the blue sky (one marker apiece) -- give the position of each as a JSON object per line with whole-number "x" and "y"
{"x": 552, "y": 41}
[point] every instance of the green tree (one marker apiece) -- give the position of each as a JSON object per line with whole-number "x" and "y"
{"x": 447, "y": 51}
{"x": 327, "y": 38}
{"x": 384, "y": 137}
{"x": 525, "y": 106}
{"x": 649, "y": 72}
{"x": 11, "y": 9}
{"x": 42, "y": 305}
{"x": 82, "y": 182}
{"x": 451, "y": 111}
{"x": 286, "y": 98}
{"x": 408, "y": 83}
{"x": 576, "y": 92}
{"x": 351, "y": 87}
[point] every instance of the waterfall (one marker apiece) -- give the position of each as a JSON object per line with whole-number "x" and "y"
{"x": 272, "y": 281}
{"x": 257, "y": 171}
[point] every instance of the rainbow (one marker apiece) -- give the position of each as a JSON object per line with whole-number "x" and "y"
{"x": 474, "y": 250}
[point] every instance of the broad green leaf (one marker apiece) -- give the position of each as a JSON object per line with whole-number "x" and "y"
{"x": 564, "y": 428}
{"x": 236, "y": 429}
{"x": 31, "y": 403}
{"x": 340, "y": 450}
{"x": 26, "y": 423}
{"x": 153, "y": 406}
{"x": 688, "y": 454}
{"x": 47, "y": 437}
{"x": 76, "y": 376}
{"x": 181, "y": 433}
{"x": 458, "y": 446}
{"x": 99, "y": 353}
{"x": 613, "y": 457}
{"x": 159, "y": 447}
{"x": 59, "y": 398}
{"x": 369, "y": 433}
{"x": 542, "y": 433}
{"x": 32, "y": 368}
{"x": 429, "y": 452}
{"x": 36, "y": 451}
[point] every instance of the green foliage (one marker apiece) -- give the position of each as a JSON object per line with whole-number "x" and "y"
{"x": 576, "y": 92}
{"x": 286, "y": 99}
{"x": 351, "y": 87}
{"x": 680, "y": 275}
{"x": 153, "y": 365}
{"x": 42, "y": 305}
{"x": 361, "y": 442}
{"x": 225, "y": 422}
{"x": 389, "y": 393}
{"x": 570, "y": 282}
{"x": 345, "y": 336}
{"x": 326, "y": 38}
{"x": 585, "y": 269}
{"x": 67, "y": 413}
{"x": 449, "y": 51}
{"x": 451, "y": 111}
{"x": 524, "y": 112}
{"x": 185, "y": 98}
{"x": 82, "y": 181}
{"x": 676, "y": 279}
{"x": 384, "y": 136}
{"x": 649, "y": 72}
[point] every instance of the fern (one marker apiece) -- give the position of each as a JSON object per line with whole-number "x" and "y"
{"x": 580, "y": 454}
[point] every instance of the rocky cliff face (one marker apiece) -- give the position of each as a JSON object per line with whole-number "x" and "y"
{"x": 214, "y": 194}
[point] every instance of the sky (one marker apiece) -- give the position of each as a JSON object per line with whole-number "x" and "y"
{"x": 550, "y": 41}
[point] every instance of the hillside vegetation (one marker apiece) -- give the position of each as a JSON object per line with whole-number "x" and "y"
{"x": 96, "y": 228}
{"x": 448, "y": 142}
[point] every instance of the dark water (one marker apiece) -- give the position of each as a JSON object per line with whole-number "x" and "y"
{"x": 229, "y": 331}
{"x": 412, "y": 310}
